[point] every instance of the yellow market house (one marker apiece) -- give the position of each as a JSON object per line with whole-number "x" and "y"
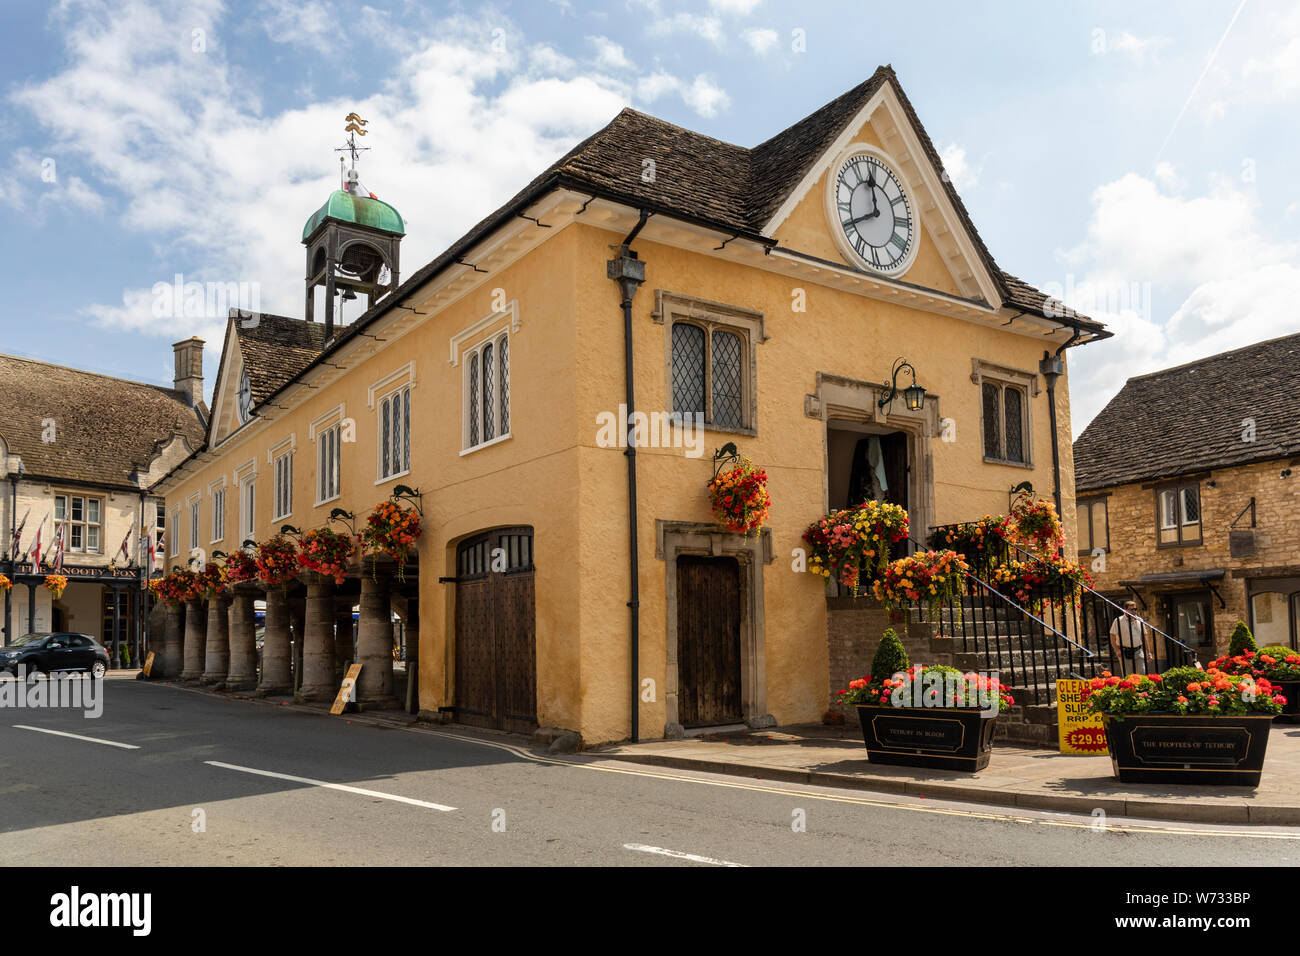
{"x": 566, "y": 582}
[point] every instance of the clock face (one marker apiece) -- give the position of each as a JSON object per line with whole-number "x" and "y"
{"x": 245, "y": 398}
{"x": 874, "y": 212}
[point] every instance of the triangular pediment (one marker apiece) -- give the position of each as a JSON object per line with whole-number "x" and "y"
{"x": 225, "y": 394}
{"x": 945, "y": 252}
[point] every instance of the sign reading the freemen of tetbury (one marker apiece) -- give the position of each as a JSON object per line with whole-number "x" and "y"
{"x": 1081, "y": 732}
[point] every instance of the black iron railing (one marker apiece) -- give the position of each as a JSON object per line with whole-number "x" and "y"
{"x": 1026, "y": 648}
{"x": 1079, "y": 613}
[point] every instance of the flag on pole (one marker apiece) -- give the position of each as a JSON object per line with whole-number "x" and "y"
{"x": 126, "y": 541}
{"x": 16, "y": 550}
{"x": 35, "y": 552}
{"x": 152, "y": 551}
{"x": 57, "y": 564}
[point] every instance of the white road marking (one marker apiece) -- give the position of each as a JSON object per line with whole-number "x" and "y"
{"x": 677, "y": 854}
{"x": 330, "y": 786}
{"x": 63, "y": 733}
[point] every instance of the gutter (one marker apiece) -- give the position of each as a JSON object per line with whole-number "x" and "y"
{"x": 629, "y": 272}
{"x": 1052, "y": 368}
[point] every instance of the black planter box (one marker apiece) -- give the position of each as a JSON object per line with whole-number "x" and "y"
{"x": 952, "y": 738}
{"x": 1171, "y": 748}
{"x": 1291, "y": 691}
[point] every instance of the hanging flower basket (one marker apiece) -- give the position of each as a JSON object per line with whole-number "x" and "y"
{"x": 930, "y": 578}
{"x": 326, "y": 552}
{"x": 982, "y": 543}
{"x": 852, "y": 545}
{"x": 740, "y": 499}
{"x": 55, "y": 584}
{"x": 277, "y": 562}
{"x": 5, "y": 584}
{"x": 212, "y": 581}
{"x": 1033, "y": 524}
{"x": 240, "y": 566}
{"x": 391, "y": 529}
{"x": 186, "y": 585}
{"x": 1040, "y": 580}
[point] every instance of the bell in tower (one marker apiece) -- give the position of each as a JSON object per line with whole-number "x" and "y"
{"x": 352, "y": 241}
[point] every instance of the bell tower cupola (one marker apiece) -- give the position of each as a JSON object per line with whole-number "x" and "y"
{"x": 352, "y": 241}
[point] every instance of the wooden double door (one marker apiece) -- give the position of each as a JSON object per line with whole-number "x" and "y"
{"x": 709, "y": 623}
{"x": 496, "y": 646}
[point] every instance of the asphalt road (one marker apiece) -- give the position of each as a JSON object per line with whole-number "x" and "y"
{"x": 212, "y": 781}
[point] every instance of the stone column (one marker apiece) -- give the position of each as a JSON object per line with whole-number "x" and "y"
{"x": 277, "y": 672}
{"x": 192, "y": 664}
{"x": 298, "y": 620}
{"x": 411, "y": 624}
{"x": 216, "y": 654}
{"x": 170, "y": 645}
{"x": 375, "y": 643}
{"x": 344, "y": 647}
{"x": 243, "y": 641}
{"x": 318, "y": 641}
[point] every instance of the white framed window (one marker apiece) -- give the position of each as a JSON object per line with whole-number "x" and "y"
{"x": 395, "y": 434}
{"x": 247, "y": 506}
{"x": 282, "y": 486}
{"x": 711, "y": 361}
{"x": 160, "y": 525}
{"x": 175, "y": 525}
{"x": 328, "y": 470}
{"x": 82, "y": 518}
{"x": 194, "y": 521}
{"x": 1178, "y": 509}
{"x": 218, "y": 513}
{"x": 487, "y": 392}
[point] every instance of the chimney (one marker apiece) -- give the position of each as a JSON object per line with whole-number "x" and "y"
{"x": 189, "y": 369}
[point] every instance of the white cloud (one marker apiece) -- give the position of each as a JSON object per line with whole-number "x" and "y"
{"x": 706, "y": 28}
{"x": 307, "y": 23}
{"x": 959, "y": 170}
{"x": 222, "y": 188}
{"x": 705, "y": 97}
{"x": 1138, "y": 48}
{"x": 702, "y": 94}
{"x": 761, "y": 40}
{"x": 609, "y": 54}
{"x": 1280, "y": 66}
{"x": 1150, "y": 245}
{"x": 740, "y": 7}
{"x": 546, "y": 59}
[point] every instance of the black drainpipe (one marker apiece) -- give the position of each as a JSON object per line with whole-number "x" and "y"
{"x": 1052, "y": 368}
{"x": 629, "y": 272}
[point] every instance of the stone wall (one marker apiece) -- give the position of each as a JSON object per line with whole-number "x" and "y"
{"x": 1131, "y": 510}
{"x": 853, "y": 630}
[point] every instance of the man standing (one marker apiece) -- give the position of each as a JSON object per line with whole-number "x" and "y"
{"x": 1131, "y": 641}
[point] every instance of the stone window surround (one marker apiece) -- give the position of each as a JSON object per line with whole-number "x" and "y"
{"x": 849, "y": 400}
{"x": 750, "y": 325}
{"x": 1091, "y": 501}
{"x": 1005, "y": 375}
{"x": 674, "y": 538}
{"x": 1179, "y": 486}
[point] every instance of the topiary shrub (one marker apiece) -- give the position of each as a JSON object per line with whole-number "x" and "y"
{"x": 890, "y": 658}
{"x": 1176, "y": 679}
{"x": 1241, "y": 640}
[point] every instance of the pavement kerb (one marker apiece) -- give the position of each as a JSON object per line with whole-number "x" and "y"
{"x": 1169, "y": 810}
{"x": 1172, "y": 810}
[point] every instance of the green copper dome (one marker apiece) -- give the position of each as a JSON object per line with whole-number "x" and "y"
{"x": 362, "y": 210}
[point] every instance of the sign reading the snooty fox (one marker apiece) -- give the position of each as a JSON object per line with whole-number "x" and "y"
{"x": 1081, "y": 733}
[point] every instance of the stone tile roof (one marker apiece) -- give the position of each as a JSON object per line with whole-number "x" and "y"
{"x": 105, "y": 428}
{"x": 707, "y": 181}
{"x": 275, "y": 348}
{"x": 1188, "y": 419}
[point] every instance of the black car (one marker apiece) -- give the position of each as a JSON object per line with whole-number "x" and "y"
{"x": 47, "y": 653}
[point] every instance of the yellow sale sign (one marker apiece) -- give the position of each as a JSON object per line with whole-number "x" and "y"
{"x": 148, "y": 664}
{"x": 1081, "y": 733}
{"x": 345, "y": 690}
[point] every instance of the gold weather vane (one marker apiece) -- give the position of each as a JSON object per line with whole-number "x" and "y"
{"x": 353, "y": 128}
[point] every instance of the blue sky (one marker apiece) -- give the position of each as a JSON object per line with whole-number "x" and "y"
{"x": 1136, "y": 159}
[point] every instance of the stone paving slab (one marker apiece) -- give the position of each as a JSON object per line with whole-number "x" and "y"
{"x": 1016, "y": 776}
